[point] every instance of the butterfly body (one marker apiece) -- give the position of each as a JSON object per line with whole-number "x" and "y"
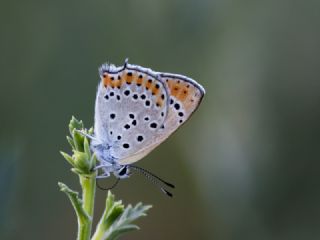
{"x": 136, "y": 109}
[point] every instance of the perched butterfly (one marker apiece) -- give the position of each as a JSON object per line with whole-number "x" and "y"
{"x": 136, "y": 109}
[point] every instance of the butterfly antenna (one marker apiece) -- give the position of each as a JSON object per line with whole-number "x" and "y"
{"x": 109, "y": 188}
{"x": 153, "y": 178}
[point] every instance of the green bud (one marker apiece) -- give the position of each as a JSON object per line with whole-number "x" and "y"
{"x": 81, "y": 161}
{"x": 75, "y": 124}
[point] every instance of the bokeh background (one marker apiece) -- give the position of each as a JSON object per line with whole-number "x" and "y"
{"x": 247, "y": 164}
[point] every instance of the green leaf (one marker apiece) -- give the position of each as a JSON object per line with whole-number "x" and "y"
{"x": 77, "y": 171}
{"x": 90, "y": 131}
{"x": 93, "y": 162}
{"x": 117, "y": 221}
{"x": 120, "y": 231}
{"x": 78, "y": 140}
{"x": 68, "y": 158}
{"x": 70, "y": 141}
{"x": 75, "y": 201}
{"x": 86, "y": 147}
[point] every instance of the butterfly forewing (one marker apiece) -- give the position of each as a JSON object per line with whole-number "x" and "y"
{"x": 131, "y": 106}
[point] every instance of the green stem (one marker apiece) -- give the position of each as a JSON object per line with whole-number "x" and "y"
{"x": 88, "y": 184}
{"x": 98, "y": 235}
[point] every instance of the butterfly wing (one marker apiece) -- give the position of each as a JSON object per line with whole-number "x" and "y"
{"x": 131, "y": 106}
{"x": 185, "y": 96}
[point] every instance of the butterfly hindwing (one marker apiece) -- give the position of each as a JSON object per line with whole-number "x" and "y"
{"x": 185, "y": 95}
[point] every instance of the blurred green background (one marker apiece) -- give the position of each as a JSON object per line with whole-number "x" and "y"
{"x": 246, "y": 165}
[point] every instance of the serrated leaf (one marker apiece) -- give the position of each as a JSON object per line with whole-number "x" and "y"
{"x": 75, "y": 201}
{"x": 120, "y": 231}
{"x": 123, "y": 223}
{"x": 116, "y": 220}
{"x": 115, "y": 211}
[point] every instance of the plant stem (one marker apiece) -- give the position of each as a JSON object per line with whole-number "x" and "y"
{"x": 88, "y": 184}
{"x": 98, "y": 234}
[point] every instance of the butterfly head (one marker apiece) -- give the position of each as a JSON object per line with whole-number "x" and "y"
{"x": 122, "y": 172}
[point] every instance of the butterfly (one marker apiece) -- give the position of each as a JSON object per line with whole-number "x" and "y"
{"x": 136, "y": 109}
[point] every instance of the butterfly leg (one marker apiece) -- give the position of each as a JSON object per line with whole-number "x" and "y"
{"x": 105, "y": 169}
{"x": 105, "y": 165}
{"x": 104, "y": 175}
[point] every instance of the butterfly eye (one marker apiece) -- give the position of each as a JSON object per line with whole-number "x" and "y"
{"x": 123, "y": 171}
